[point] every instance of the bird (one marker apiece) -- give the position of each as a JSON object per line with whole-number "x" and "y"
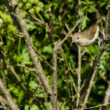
{"x": 88, "y": 36}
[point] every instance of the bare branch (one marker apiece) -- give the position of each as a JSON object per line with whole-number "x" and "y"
{"x": 92, "y": 73}
{"x": 37, "y": 21}
{"x": 54, "y": 100}
{"x": 8, "y": 97}
{"x": 106, "y": 98}
{"x": 97, "y": 106}
{"x": 108, "y": 22}
{"x": 29, "y": 69}
{"x": 46, "y": 62}
{"x": 89, "y": 90}
{"x": 79, "y": 63}
{"x": 79, "y": 75}
{"x": 2, "y": 71}
{"x": 4, "y": 103}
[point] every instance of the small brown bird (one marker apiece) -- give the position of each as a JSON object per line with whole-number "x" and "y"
{"x": 88, "y": 36}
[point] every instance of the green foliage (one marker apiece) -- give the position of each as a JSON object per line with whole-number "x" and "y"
{"x": 33, "y": 107}
{"x": 33, "y": 85}
{"x": 63, "y": 12}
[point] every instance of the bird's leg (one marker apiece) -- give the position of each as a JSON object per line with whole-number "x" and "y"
{"x": 103, "y": 34}
{"x": 99, "y": 42}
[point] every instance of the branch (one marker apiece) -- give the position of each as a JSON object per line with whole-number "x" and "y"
{"x": 46, "y": 62}
{"x": 29, "y": 69}
{"x": 92, "y": 73}
{"x": 8, "y": 97}
{"x": 107, "y": 94}
{"x": 97, "y": 106}
{"x": 4, "y": 103}
{"x": 106, "y": 98}
{"x": 79, "y": 76}
{"x": 2, "y": 71}
{"x": 37, "y": 21}
{"x": 11, "y": 68}
{"x": 89, "y": 90}
{"x": 79, "y": 64}
{"x": 54, "y": 100}
{"x": 108, "y": 22}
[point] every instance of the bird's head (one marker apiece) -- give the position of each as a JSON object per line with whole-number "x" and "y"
{"x": 77, "y": 38}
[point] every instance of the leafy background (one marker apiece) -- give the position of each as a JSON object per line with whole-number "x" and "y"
{"x": 63, "y": 12}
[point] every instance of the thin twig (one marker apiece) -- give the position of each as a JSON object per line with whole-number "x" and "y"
{"x": 38, "y": 21}
{"x": 54, "y": 101}
{"x": 11, "y": 68}
{"x": 89, "y": 90}
{"x": 46, "y": 62}
{"x": 79, "y": 76}
{"x": 79, "y": 62}
{"x": 103, "y": 77}
{"x": 65, "y": 66}
{"x": 4, "y": 103}
{"x": 97, "y": 106}
{"x": 106, "y": 98}
{"x": 29, "y": 69}
{"x": 33, "y": 101}
{"x": 8, "y": 97}
{"x": 2, "y": 71}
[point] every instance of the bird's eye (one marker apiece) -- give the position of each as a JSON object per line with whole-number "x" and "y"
{"x": 77, "y": 37}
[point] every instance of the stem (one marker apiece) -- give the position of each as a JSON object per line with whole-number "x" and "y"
{"x": 54, "y": 54}
{"x": 79, "y": 76}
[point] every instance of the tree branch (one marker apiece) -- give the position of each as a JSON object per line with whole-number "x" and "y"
{"x": 54, "y": 100}
{"x": 89, "y": 90}
{"x": 106, "y": 98}
{"x": 8, "y": 97}
{"x": 79, "y": 63}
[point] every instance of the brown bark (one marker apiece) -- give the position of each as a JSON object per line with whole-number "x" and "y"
{"x": 8, "y": 97}
{"x": 106, "y": 98}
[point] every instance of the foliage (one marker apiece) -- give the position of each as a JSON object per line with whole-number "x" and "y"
{"x": 63, "y": 12}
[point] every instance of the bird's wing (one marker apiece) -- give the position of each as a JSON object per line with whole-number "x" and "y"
{"x": 90, "y": 32}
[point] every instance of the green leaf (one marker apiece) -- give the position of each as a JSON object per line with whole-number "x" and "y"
{"x": 33, "y": 85}
{"x": 84, "y": 23}
{"x": 47, "y": 49}
{"x": 20, "y": 96}
{"x": 14, "y": 90}
{"x": 34, "y": 107}
{"x": 25, "y": 57}
{"x": 90, "y": 10}
{"x": 31, "y": 26}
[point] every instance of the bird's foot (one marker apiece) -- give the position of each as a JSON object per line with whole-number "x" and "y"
{"x": 99, "y": 43}
{"x": 103, "y": 34}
